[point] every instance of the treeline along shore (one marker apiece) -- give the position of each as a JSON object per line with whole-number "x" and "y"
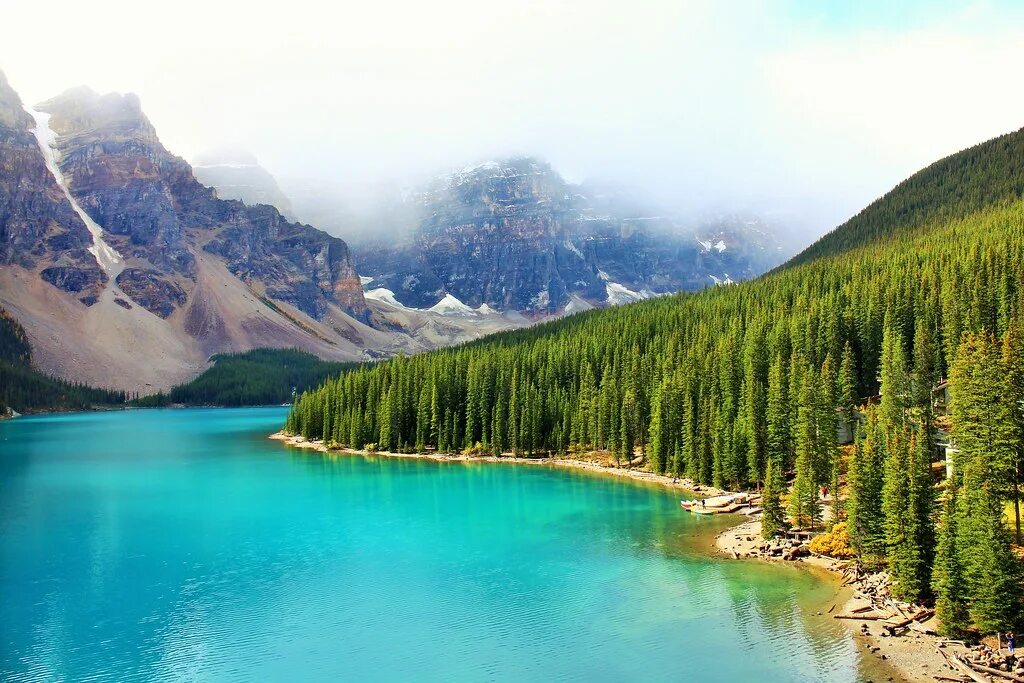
{"x": 903, "y": 329}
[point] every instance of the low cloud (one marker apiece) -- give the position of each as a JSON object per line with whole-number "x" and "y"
{"x": 755, "y": 106}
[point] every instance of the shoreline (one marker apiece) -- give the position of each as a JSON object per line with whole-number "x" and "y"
{"x": 913, "y": 656}
{"x": 685, "y": 485}
{"x": 99, "y": 408}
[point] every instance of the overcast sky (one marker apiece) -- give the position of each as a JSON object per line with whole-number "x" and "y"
{"x": 809, "y": 108}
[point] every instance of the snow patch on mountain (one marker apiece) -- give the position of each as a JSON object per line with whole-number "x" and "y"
{"x": 619, "y": 294}
{"x": 708, "y": 245}
{"x": 106, "y": 256}
{"x": 573, "y": 248}
{"x": 484, "y": 309}
{"x": 576, "y": 305}
{"x": 449, "y": 305}
{"x": 540, "y": 300}
{"x": 386, "y": 295}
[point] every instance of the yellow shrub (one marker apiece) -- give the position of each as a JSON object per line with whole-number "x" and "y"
{"x": 475, "y": 449}
{"x": 835, "y": 543}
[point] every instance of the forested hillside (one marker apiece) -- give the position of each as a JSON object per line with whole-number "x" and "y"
{"x": 984, "y": 175}
{"x": 717, "y": 385}
{"x": 24, "y": 388}
{"x": 257, "y": 377}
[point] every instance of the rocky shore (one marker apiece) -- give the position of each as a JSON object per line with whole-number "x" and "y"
{"x": 901, "y": 635}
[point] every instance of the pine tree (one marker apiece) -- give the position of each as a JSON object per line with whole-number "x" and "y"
{"x": 864, "y": 504}
{"x": 983, "y": 425}
{"x": 827, "y": 427}
{"x": 925, "y": 373}
{"x": 499, "y": 426}
{"x": 423, "y": 419}
{"x": 848, "y": 386}
{"x": 660, "y": 427}
{"x": 991, "y": 570}
{"x": 894, "y": 381}
{"x": 948, "y": 580}
{"x": 895, "y": 503}
{"x": 803, "y": 503}
{"x": 777, "y": 415}
{"x": 773, "y": 519}
{"x": 435, "y": 418}
{"x": 921, "y": 528}
{"x": 1013, "y": 395}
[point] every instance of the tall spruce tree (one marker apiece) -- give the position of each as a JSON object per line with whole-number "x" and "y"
{"x": 983, "y": 427}
{"x": 864, "y": 504}
{"x": 777, "y": 415}
{"x": 899, "y": 542}
{"x": 948, "y": 580}
{"x": 1013, "y": 395}
{"x": 804, "y": 507}
{"x": 773, "y": 518}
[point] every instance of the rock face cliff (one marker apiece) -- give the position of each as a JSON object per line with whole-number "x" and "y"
{"x": 153, "y": 209}
{"x": 514, "y": 235}
{"x": 236, "y": 174}
{"x": 127, "y": 272}
{"x": 39, "y": 230}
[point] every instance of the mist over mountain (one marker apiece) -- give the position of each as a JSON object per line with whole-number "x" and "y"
{"x": 513, "y": 234}
{"x": 238, "y": 175}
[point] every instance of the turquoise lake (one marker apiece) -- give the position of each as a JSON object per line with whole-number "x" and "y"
{"x": 184, "y": 545}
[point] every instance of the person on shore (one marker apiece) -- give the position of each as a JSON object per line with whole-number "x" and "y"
{"x": 703, "y": 502}
{"x": 1011, "y": 643}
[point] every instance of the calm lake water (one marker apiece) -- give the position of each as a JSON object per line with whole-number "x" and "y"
{"x": 184, "y": 545}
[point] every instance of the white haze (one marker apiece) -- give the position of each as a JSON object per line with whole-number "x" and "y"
{"x": 773, "y": 107}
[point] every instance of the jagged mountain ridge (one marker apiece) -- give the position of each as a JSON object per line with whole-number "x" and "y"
{"x": 147, "y": 199}
{"x": 188, "y": 274}
{"x": 192, "y": 274}
{"x": 38, "y": 227}
{"x": 515, "y": 236}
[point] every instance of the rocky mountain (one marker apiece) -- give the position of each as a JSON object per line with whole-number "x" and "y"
{"x": 125, "y": 271}
{"x": 515, "y": 236}
{"x": 39, "y": 229}
{"x": 236, "y": 174}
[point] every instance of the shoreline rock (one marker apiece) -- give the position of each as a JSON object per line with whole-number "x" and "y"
{"x": 908, "y": 650}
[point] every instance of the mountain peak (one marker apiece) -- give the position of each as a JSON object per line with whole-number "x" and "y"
{"x": 226, "y": 155}
{"x": 503, "y": 167}
{"x": 236, "y": 174}
{"x": 12, "y": 115}
{"x": 83, "y": 109}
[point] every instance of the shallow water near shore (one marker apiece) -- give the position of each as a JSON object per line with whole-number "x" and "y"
{"x": 185, "y": 545}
